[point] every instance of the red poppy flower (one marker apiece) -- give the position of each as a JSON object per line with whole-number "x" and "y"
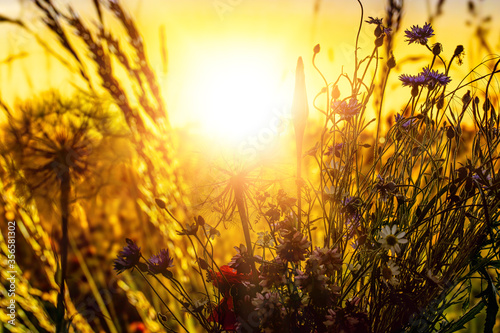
{"x": 224, "y": 314}
{"x": 224, "y": 279}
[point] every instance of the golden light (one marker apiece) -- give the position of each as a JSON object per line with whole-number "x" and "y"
{"x": 237, "y": 91}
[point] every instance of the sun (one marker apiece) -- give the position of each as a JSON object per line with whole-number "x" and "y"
{"x": 238, "y": 92}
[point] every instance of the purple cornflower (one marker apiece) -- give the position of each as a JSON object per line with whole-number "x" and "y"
{"x": 347, "y": 110}
{"x": 433, "y": 77}
{"x": 127, "y": 258}
{"x": 160, "y": 263}
{"x": 375, "y": 20}
{"x": 420, "y": 35}
{"x": 412, "y": 80}
{"x": 404, "y": 124}
{"x": 331, "y": 150}
{"x": 427, "y": 77}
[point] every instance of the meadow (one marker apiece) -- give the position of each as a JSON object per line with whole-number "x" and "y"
{"x": 367, "y": 202}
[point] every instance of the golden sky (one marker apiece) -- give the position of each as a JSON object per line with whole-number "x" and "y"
{"x": 231, "y": 62}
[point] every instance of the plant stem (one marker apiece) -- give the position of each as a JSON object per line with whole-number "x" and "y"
{"x": 65, "y": 188}
{"x": 240, "y": 202}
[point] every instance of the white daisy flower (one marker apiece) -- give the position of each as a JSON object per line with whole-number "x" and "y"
{"x": 389, "y": 273}
{"x": 265, "y": 239}
{"x": 390, "y": 238}
{"x": 330, "y": 190}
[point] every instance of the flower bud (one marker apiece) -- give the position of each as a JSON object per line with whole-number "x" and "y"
{"x": 450, "y": 133}
{"x": 203, "y": 264}
{"x": 316, "y": 49}
{"x": 391, "y": 63}
{"x": 200, "y": 221}
{"x": 458, "y": 51}
{"x": 414, "y": 91}
{"x": 378, "y": 31}
{"x": 437, "y": 48}
{"x": 160, "y": 203}
{"x": 440, "y": 102}
{"x": 335, "y": 92}
{"x": 379, "y": 41}
{"x": 486, "y": 105}
{"x": 466, "y": 97}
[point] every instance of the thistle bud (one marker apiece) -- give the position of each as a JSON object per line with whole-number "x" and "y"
{"x": 378, "y": 31}
{"x": 379, "y": 41}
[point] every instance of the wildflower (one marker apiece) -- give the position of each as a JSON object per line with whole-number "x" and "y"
{"x": 427, "y": 77}
{"x": 311, "y": 282}
{"x": 329, "y": 259}
{"x": 330, "y": 190}
{"x": 390, "y": 239}
{"x": 347, "y": 110}
{"x": 433, "y": 77}
{"x": 265, "y": 239}
{"x": 350, "y": 204}
{"x": 330, "y": 318}
{"x": 418, "y": 34}
{"x": 224, "y": 314}
{"x": 480, "y": 176}
{"x": 190, "y": 230}
{"x": 272, "y": 274}
{"x": 285, "y": 202}
{"x": 225, "y": 280}
{"x": 412, "y": 80}
{"x": 127, "y": 258}
{"x": 335, "y": 150}
{"x": 389, "y": 273}
{"x": 385, "y": 188}
{"x": 266, "y": 302}
{"x": 335, "y": 168}
{"x": 380, "y": 28}
{"x": 197, "y": 306}
{"x": 210, "y": 231}
{"x": 405, "y": 123}
{"x": 348, "y": 319}
{"x": 160, "y": 263}
{"x": 352, "y": 222}
{"x": 292, "y": 246}
{"x": 375, "y": 20}
{"x": 270, "y": 310}
{"x": 241, "y": 260}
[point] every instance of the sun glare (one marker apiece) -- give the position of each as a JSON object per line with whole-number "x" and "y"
{"x": 236, "y": 94}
